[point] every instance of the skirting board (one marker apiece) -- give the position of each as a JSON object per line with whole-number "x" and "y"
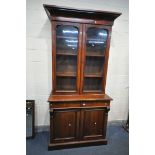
{"x": 43, "y": 128}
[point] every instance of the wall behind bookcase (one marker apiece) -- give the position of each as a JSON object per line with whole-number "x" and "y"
{"x": 38, "y": 56}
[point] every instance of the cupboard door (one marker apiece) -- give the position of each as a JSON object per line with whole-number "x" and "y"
{"x": 64, "y": 125}
{"x": 66, "y": 53}
{"x": 93, "y": 124}
{"x": 95, "y": 48}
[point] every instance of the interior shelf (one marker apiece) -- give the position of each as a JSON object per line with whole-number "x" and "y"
{"x": 89, "y": 91}
{"x": 66, "y": 53}
{"x": 66, "y": 74}
{"x": 94, "y": 55}
{"x": 93, "y": 75}
{"x": 95, "y": 39}
{"x": 66, "y": 37}
{"x": 63, "y": 91}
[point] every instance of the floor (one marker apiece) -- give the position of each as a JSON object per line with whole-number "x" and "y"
{"x": 118, "y": 144}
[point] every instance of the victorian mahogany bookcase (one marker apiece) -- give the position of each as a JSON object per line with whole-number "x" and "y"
{"x": 80, "y": 50}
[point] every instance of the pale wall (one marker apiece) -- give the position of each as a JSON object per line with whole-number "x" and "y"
{"x": 38, "y": 56}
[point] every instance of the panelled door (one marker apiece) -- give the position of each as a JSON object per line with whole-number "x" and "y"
{"x": 65, "y": 125}
{"x": 78, "y": 124}
{"x": 93, "y": 125}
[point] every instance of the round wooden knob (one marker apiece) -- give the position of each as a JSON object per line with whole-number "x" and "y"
{"x": 95, "y": 123}
{"x": 69, "y": 124}
{"x": 83, "y": 104}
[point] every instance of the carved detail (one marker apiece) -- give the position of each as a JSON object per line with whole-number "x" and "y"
{"x": 107, "y": 110}
{"x": 51, "y": 113}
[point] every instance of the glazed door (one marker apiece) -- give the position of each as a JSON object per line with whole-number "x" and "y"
{"x": 64, "y": 125}
{"x": 94, "y": 123}
{"x": 95, "y": 51}
{"x": 66, "y": 53}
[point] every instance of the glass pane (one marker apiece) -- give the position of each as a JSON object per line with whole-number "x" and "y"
{"x": 94, "y": 65}
{"x": 66, "y": 57}
{"x": 67, "y": 39}
{"x": 66, "y": 83}
{"x": 96, "y": 41}
{"x": 93, "y": 84}
{"x": 66, "y": 64}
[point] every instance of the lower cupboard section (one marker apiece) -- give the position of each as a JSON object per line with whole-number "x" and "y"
{"x": 71, "y": 127}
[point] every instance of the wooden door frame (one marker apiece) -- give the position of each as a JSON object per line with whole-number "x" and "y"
{"x": 53, "y": 30}
{"x": 83, "y": 57}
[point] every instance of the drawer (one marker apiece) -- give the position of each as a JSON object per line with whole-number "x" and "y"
{"x": 95, "y": 104}
{"x": 65, "y": 104}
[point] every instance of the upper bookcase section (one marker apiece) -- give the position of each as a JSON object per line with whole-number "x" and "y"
{"x": 56, "y": 11}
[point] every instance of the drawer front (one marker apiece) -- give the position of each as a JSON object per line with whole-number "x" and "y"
{"x": 65, "y": 105}
{"x": 95, "y": 104}
{"x": 80, "y": 104}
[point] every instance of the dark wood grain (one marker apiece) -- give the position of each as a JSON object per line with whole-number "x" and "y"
{"x": 93, "y": 124}
{"x": 82, "y": 97}
{"x": 65, "y": 125}
{"x": 53, "y": 10}
{"x": 79, "y": 143}
{"x": 81, "y": 20}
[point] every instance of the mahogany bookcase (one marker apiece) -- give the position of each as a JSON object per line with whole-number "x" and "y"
{"x": 80, "y": 49}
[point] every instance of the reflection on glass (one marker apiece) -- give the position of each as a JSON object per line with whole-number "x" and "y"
{"x": 66, "y": 39}
{"x": 66, "y": 57}
{"x": 96, "y": 40}
{"x": 92, "y": 84}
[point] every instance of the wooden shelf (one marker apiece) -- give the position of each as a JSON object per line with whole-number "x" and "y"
{"x": 93, "y": 75}
{"x": 96, "y": 39}
{"x": 64, "y": 37}
{"x": 66, "y": 74}
{"x": 95, "y": 91}
{"x": 65, "y": 91}
{"x": 66, "y": 54}
{"x": 94, "y": 55}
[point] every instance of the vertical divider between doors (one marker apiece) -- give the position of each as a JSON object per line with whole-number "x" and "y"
{"x": 83, "y": 57}
{"x": 79, "y": 57}
{"x": 78, "y": 125}
{"x": 81, "y": 122}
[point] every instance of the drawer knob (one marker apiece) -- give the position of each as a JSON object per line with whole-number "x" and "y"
{"x": 69, "y": 124}
{"x": 83, "y": 104}
{"x": 95, "y": 123}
